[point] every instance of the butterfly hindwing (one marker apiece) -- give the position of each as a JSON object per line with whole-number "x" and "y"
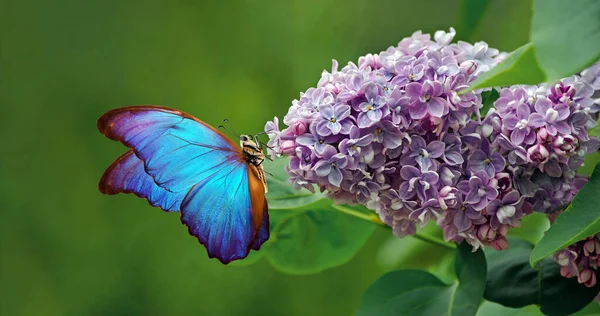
{"x": 127, "y": 175}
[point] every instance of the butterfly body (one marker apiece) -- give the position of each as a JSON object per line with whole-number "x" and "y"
{"x": 181, "y": 164}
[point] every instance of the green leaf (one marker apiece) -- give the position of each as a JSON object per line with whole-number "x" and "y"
{"x": 520, "y": 67}
{"x": 313, "y": 240}
{"x": 492, "y": 309}
{"x": 415, "y": 292}
{"x": 566, "y": 37}
{"x": 593, "y": 308}
{"x": 487, "y": 99}
{"x": 470, "y": 14}
{"x": 579, "y": 221}
{"x": 513, "y": 283}
{"x": 533, "y": 227}
{"x": 281, "y": 194}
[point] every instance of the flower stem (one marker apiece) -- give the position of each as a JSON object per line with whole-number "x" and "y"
{"x": 375, "y": 219}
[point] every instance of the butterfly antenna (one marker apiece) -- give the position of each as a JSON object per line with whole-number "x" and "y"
{"x": 231, "y": 127}
{"x": 228, "y": 130}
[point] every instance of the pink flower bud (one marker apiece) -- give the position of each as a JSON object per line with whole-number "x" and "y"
{"x": 543, "y": 137}
{"x": 566, "y": 272}
{"x": 587, "y": 277}
{"x": 486, "y": 233}
{"x": 591, "y": 247}
{"x": 500, "y": 243}
{"x": 565, "y": 144}
{"x": 537, "y": 154}
{"x": 369, "y": 60}
{"x": 299, "y": 128}
{"x": 468, "y": 67}
{"x": 288, "y": 147}
{"x": 503, "y": 230}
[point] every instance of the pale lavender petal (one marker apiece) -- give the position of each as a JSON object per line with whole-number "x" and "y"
{"x": 416, "y": 143}
{"x": 335, "y": 177}
{"x": 542, "y": 105}
{"x": 339, "y": 159}
{"x": 363, "y": 120}
{"x": 491, "y": 193}
{"x": 430, "y": 177}
{"x": 409, "y": 172}
{"x": 435, "y": 149}
{"x": 562, "y": 127}
{"x": 335, "y": 127}
{"x": 453, "y": 158}
{"x": 511, "y": 197}
{"x": 404, "y": 192}
{"x": 342, "y": 111}
{"x": 306, "y": 139}
{"x": 328, "y": 152}
{"x": 511, "y": 121}
{"x": 417, "y": 110}
{"x": 505, "y": 212}
{"x": 536, "y": 120}
{"x": 461, "y": 221}
{"x": 322, "y": 168}
{"x": 374, "y": 115}
{"x": 392, "y": 140}
{"x": 365, "y": 140}
{"x": 472, "y": 197}
{"x": 371, "y": 91}
{"x": 413, "y": 89}
{"x": 523, "y": 111}
{"x": 517, "y": 136}
{"x": 323, "y": 128}
{"x": 563, "y": 111}
{"x": 326, "y": 111}
{"x": 498, "y": 162}
{"x": 436, "y": 106}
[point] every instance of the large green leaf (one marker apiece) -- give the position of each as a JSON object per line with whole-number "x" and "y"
{"x": 415, "y": 292}
{"x": 470, "y": 15}
{"x": 313, "y": 240}
{"x": 308, "y": 233}
{"x": 513, "y": 283}
{"x": 580, "y": 220}
{"x": 520, "y": 67}
{"x": 565, "y": 39}
{"x": 492, "y": 309}
{"x": 533, "y": 227}
{"x": 566, "y": 36}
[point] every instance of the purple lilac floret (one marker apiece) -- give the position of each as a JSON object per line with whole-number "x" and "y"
{"x": 392, "y": 133}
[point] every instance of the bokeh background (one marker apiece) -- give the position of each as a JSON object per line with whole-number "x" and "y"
{"x": 68, "y": 250}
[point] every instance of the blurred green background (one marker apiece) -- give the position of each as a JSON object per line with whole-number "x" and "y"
{"x": 68, "y": 250}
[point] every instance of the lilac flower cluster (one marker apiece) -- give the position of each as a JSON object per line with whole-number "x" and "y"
{"x": 392, "y": 133}
{"x": 580, "y": 260}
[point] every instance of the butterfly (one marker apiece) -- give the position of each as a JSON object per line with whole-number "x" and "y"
{"x": 181, "y": 164}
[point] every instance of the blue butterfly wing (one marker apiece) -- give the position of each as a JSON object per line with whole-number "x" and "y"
{"x": 219, "y": 211}
{"x": 178, "y": 150}
{"x": 224, "y": 204}
{"x": 127, "y": 175}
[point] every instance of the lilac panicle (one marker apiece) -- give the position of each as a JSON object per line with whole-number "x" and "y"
{"x": 391, "y": 132}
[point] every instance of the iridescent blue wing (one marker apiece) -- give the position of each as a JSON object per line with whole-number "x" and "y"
{"x": 218, "y": 210}
{"x": 178, "y": 150}
{"x": 224, "y": 206}
{"x": 127, "y": 175}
